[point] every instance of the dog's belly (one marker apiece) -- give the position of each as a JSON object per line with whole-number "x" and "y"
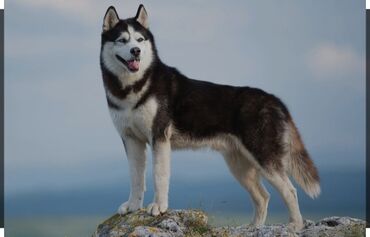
{"x": 221, "y": 143}
{"x": 136, "y": 122}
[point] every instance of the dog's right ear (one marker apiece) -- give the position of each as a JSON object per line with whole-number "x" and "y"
{"x": 110, "y": 19}
{"x": 142, "y": 16}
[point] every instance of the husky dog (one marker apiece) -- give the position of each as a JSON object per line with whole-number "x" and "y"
{"x": 152, "y": 103}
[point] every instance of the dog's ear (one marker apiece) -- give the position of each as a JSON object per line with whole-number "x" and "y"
{"x": 110, "y": 19}
{"x": 142, "y": 16}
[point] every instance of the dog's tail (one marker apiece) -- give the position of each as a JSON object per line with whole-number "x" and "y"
{"x": 301, "y": 167}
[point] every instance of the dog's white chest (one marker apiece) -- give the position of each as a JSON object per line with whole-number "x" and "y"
{"x": 136, "y": 122}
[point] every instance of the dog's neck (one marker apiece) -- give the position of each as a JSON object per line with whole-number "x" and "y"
{"x": 122, "y": 85}
{"x": 125, "y": 77}
{"x": 129, "y": 79}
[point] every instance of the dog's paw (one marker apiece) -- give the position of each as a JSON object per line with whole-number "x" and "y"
{"x": 295, "y": 226}
{"x": 128, "y": 207}
{"x": 155, "y": 209}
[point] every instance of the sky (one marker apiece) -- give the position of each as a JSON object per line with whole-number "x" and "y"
{"x": 58, "y": 133}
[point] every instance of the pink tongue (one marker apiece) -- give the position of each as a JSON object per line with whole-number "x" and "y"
{"x": 133, "y": 65}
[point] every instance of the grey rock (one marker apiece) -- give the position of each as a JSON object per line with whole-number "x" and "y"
{"x": 193, "y": 223}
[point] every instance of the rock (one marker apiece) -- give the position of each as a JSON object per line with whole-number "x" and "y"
{"x": 174, "y": 223}
{"x": 192, "y": 223}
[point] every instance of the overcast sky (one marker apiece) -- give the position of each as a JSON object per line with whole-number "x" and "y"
{"x": 58, "y": 132}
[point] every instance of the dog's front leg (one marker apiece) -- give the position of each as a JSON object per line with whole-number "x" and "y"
{"x": 135, "y": 151}
{"x": 161, "y": 175}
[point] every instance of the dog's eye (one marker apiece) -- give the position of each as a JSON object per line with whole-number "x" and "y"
{"x": 122, "y": 40}
{"x": 140, "y": 39}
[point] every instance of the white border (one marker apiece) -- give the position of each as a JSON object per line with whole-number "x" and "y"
{"x": 367, "y": 4}
{"x": 367, "y": 229}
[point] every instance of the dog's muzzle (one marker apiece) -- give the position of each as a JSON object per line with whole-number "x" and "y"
{"x": 133, "y": 64}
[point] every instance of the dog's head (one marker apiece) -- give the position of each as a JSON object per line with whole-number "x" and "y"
{"x": 127, "y": 45}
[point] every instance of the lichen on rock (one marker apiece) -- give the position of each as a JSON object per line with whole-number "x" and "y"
{"x": 194, "y": 223}
{"x": 172, "y": 223}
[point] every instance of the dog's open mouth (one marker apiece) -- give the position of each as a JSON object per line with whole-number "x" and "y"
{"x": 132, "y": 64}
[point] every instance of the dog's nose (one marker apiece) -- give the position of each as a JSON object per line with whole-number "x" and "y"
{"x": 135, "y": 51}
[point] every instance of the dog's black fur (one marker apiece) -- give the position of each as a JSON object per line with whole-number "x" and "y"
{"x": 158, "y": 105}
{"x": 202, "y": 110}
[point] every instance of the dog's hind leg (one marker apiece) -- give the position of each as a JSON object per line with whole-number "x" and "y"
{"x": 248, "y": 176}
{"x": 281, "y": 181}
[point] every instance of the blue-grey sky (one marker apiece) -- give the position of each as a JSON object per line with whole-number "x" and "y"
{"x": 58, "y": 133}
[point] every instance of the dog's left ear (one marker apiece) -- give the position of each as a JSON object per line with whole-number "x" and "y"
{"x": 142, "y": 16}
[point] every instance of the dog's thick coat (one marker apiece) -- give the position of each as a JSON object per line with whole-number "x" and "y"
{"x": 152, "y": 103}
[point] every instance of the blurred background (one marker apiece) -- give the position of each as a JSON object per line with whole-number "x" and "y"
{"x": 66, "y": 169}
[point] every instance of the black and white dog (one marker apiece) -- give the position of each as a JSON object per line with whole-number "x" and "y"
{"x": 152, "y": 103}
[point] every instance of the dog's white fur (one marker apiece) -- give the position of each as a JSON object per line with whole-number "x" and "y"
{"x": 135, "y": 128}
{"x": 110, "y": 49}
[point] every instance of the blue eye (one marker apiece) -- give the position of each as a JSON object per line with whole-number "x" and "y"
{"x": 140, "y": 39}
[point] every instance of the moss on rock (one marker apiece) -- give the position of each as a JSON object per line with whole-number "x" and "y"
{"x": 194, "y": 223}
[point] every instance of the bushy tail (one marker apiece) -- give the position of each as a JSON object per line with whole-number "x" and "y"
{"x": 302, "y": 167}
